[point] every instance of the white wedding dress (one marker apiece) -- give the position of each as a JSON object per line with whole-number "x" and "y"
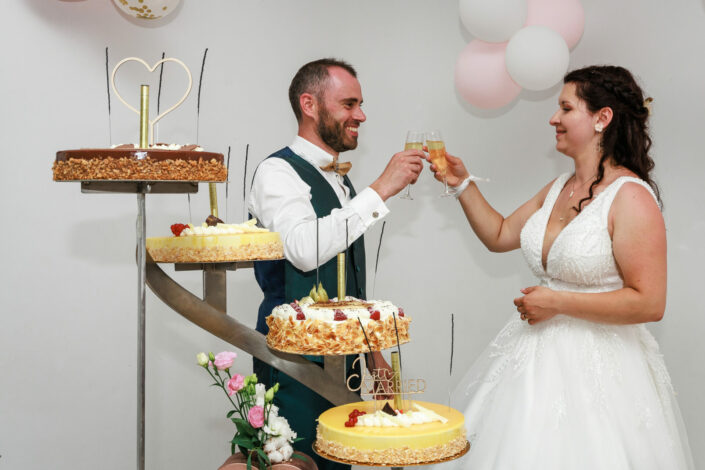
{"x": 568, "y": 393}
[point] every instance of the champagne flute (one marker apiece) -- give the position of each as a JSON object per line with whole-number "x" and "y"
{"x": 437, "y": 152}
{"x": 414, "y": 140}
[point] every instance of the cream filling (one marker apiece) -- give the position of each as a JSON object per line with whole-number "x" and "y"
{"x": 385, "y": 308}
{"x": 223, "y": 229}
{"x": 417, "y": 415}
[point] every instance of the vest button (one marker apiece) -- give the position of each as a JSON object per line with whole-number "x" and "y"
{"x": 375, "y": 214}
{"x": 357, "y": 268}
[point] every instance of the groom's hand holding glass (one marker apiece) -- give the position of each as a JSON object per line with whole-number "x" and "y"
{"x": 403, "y": 169}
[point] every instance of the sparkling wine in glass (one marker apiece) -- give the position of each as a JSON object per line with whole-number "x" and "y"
{"x": 414, "y": 140}
{"x": 437, "y": 152}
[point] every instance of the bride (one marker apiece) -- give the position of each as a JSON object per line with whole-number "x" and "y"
{"x": 575, "y": 380}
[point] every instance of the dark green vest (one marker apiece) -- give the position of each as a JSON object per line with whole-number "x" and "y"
{"x": 281, "y": 281}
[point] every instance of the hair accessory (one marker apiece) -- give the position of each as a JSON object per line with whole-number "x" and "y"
{"x": 647, "y": 104}
{"x": 599, "y": 127}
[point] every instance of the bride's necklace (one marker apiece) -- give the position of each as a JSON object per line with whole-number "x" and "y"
{"x": 572, "y": 186}
{"x": 572, "y": 191}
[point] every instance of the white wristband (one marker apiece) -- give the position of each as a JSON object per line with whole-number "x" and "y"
{"x": 458, "y": 190}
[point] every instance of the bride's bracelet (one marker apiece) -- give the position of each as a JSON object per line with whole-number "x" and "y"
{"x": 458, "y": 190}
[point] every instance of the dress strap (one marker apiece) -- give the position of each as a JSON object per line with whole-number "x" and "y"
{"x": 555, "y": 191}
{"x": 617, "y": 184}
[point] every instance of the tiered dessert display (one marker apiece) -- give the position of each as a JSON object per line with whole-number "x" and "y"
{"x": 149, "y": 169}
{"x": 391, "y": 433}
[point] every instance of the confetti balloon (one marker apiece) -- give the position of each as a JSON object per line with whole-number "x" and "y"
{"x": 147, "y": 9}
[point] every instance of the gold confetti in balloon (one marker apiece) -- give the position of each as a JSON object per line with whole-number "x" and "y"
{"x": 147, "y": 9}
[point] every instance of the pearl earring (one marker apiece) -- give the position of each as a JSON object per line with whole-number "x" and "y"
{"x": 598, "y": 127}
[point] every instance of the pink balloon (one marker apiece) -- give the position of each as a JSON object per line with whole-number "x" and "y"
{"x": 481, "y": 77}
{"x": 566, "y": 17}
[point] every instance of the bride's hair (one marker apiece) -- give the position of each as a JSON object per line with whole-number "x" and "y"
{"x": 626, "y": 139}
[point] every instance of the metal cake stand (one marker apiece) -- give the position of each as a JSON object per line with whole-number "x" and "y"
{"x": 209, "y": 312}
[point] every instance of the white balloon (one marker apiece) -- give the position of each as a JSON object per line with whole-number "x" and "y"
{"x": 147, "y": 9}
{"x": 537, "y": 57}
{"x": 493, "y": 20}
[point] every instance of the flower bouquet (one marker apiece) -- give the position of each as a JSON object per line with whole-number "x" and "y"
{"x": 261, "y": 434}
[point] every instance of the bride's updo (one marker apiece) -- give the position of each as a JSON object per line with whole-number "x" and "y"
{"x": 626, "y": 139}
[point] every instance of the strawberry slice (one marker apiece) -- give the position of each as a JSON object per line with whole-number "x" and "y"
{"x": 300, "y": 316}
{"x": 401, "y": 312}
{"x": 374, "y": 315}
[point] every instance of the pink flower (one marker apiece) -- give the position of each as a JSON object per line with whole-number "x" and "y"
{"x": 224, "y": 360}
{"x": 256, "y": 417}
{"x": 235, "y": 384}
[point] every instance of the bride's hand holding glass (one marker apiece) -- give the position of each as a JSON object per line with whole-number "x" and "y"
{"x": 455, "y": 171}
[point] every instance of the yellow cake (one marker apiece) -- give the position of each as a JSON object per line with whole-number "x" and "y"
{"x": 329, "y": 328}
{"x": 218, "y": 243}
{"x": 385, "y": 442}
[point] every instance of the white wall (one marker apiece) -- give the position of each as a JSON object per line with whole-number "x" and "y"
{"x": 68, "y": 299}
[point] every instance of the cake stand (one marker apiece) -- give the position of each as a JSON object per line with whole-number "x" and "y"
{"x": 210, "y": 312}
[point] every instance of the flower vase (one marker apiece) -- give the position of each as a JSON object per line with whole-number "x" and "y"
{"x": 238, "y": 461}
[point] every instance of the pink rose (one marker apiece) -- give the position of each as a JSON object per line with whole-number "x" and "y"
{"x": 235, "y": 384}
{"x": 256, "y": 416}
{"x": 224, "y": 360}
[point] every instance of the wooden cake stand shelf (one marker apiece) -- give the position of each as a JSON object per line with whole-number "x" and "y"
{"x": 210, "y": 312}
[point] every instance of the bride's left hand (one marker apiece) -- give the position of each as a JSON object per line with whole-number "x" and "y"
{"x": 536, "y": 304}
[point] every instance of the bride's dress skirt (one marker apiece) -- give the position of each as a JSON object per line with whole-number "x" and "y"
{"x": 571, "y": 394}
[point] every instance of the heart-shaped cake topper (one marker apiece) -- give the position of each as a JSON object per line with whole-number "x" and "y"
{"x": 152, "y": 69}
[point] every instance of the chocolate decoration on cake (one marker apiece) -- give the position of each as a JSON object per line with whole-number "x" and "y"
{"x": 212, "y": 221}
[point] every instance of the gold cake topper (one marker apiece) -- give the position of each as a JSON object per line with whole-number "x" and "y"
{"x": 151, "y": 122}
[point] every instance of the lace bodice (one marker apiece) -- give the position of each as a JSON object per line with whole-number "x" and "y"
{"x": 581, "y": 257}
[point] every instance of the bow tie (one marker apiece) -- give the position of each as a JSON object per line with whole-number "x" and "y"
{"x": 341, "y": 168}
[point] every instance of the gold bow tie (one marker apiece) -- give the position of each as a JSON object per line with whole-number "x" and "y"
{"x": 341, "y": 168}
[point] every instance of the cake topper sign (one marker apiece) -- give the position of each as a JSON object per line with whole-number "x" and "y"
{"x": 151, "y": 69}
{"x": 384, "y": 382}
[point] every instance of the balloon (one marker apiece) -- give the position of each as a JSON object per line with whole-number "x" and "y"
{"x": 147, "y": 9}
{"x": 537, "y": 57}
{"x": 493, "y": 20}
{"x": 566, "y": 17}
{"x": 481, "y": 77}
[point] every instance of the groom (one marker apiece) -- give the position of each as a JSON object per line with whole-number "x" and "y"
{"x": 302, "y": 189}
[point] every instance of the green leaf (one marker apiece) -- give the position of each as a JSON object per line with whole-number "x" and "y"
{"x": 264, "y": 460}
{"x": 243, "y": 427}
{"x": 299, "y": 456}
{"x": 249, "y": 461}
{"x": 230, "y": 413}
{"x": 243, "y": 441}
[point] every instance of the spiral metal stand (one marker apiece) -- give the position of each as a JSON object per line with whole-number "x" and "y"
{"x": 209, "y": 312}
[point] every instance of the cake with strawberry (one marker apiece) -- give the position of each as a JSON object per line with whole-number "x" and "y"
{"x": 316, "y": 325}
{"x": 128, "y": 162}
{"x": 215, "y": 241}
{"x": 366, "y": 433}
